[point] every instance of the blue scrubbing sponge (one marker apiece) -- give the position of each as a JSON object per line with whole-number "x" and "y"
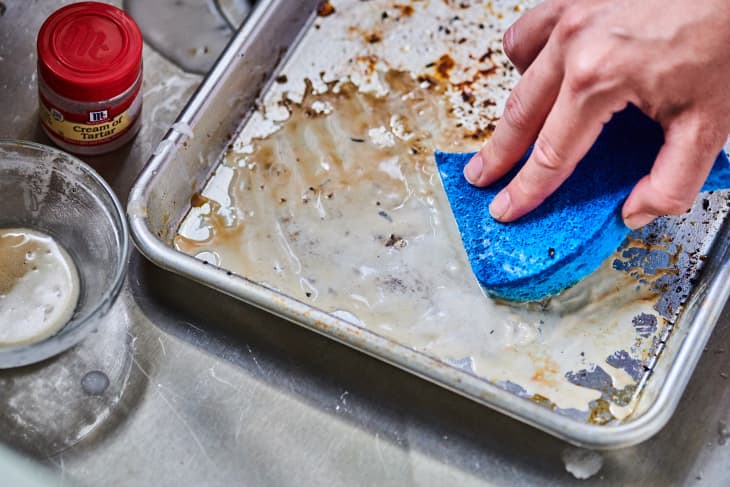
{"x": 575, "y": 229}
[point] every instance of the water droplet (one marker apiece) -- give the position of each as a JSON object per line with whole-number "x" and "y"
{"x": 95, "y": 383}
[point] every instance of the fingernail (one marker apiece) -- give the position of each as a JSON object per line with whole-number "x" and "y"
{"x": 473, "y": 169}
{"x": 638, "y": 220}
{"x": 500, "y": 205}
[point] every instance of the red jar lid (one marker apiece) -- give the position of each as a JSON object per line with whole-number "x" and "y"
{"x": 89, "y": 51}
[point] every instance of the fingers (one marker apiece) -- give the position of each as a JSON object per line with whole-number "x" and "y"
{"x": 525, "y": 39}
{"x": 524, "y": 114}
{"x": 681, "y": 167}
{"x": 569, "y": 132}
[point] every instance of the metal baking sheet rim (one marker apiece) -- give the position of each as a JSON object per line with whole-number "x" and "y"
{"x": 716, "y": 289}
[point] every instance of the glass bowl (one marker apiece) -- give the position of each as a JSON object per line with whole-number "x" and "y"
{"x": 45, "y": 189}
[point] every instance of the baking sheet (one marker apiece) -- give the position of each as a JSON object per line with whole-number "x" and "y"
{"x": 329, "y": 195}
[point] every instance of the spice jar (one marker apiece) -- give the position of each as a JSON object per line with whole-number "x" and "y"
{"x": 90, "y": 77}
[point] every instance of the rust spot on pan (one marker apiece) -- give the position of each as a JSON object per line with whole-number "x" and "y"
{"x": 405, "y": 10}
{"x": 373, "y": 37}
{"x": 600, "y": 412}
{"x": 444, "y": 65}
{"x": 325, "y": 9}
{"x": 543, "y": 401}
{"x": 547, "y": 371}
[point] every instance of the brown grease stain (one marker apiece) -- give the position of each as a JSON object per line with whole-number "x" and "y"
{"x": 198, "y": 200}
{"x": 641, "y": 244}
{"x": 443, "y": 68}
{"x": 223, "y": 232}
{"x": 288, "y": 164}
{"x": 625, "y": 281}
{"x": 370, "y": 61}
{"x": 481, "y": 133}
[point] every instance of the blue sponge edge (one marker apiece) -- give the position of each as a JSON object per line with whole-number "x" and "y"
{"x": 572, "y": 266}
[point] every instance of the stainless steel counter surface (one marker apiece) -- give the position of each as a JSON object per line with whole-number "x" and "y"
{"x": 205, "y": 390}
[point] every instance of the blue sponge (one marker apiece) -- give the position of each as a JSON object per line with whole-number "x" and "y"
{"x": 575, "y": 229}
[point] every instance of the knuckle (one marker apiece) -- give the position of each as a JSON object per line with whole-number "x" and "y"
{"x": 585, "y": 72}
{"x": 574, "y": 20}
{"x": 515, "y": 112}
{"x": 561, "y": 5}
{"x": 546, "y": 157}
{"x": 526, "y": 193}
{"x": 492, "y": 152}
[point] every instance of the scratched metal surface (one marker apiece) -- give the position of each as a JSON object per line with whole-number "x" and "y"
{"x": 234, "y": 396}
{"x": 585, "y": 357}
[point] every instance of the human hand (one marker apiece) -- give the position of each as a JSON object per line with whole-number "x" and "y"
{"x": 584, "y": 60}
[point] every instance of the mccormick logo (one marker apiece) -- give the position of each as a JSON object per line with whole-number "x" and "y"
{"x": 82, "y": 39}
{"x": 99, "y": 116}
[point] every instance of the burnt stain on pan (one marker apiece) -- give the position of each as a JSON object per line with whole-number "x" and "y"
{"x": 444, "y": 65}
{"x": 373, "y": 37}
{"x": 325, "y": 9}
{"x": 645, "y": 324}
{"x": 404, "y": 9}
{"x": 624, "y": 361}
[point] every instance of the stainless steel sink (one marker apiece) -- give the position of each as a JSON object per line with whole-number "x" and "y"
{"x": 191, "y": 33}
{"x": 205, "y": 390}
